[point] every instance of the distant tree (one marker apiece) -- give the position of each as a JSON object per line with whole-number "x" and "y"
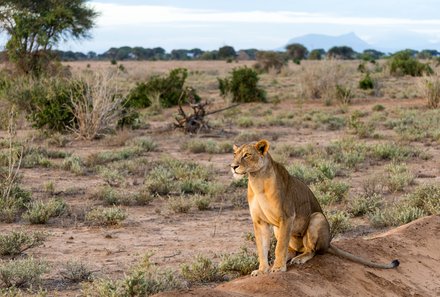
{"x": 271, "y": 60}
{"x": 427, "y": 54}
{"x": 341, "y": 52}
{"x": 124, "y": 53}
{"x": 297, "y": 52}
{"x": 33, "y": 27}
{"x": 316, "y": 54}
{"x": 179, "y": 54}
{"x": 91, "y": 55}
{"x": 226, "y": 52}
{"x": 209, "y": 55}
{"x": 251, "y": 52}
{"x": 195, "y": 53}
{"x": 371, "y": 54}
{"x": 404, "y": 63}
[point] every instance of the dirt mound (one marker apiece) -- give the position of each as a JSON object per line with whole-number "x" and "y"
{"x": 416, "y": 245}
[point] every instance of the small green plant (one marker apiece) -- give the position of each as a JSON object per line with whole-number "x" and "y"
{"x": 339, "y": 222}
{"x": 76, "y": 272}
{"x": 39, "y": 212}
{"x": 399, "y": 176}
{"x": 73, "y": 164}
{"x": 378, "y": 107}
{"x": 360, "y": 128}
{"x": 242, "y": 263}
{"x": 144, "y": 279}
{"x": 21, "y": 273}
{"x": 109, "y": 216}
{"x": 430, "y": 87}
{"x": 363, "y": 204}
{"x": 425, "y": 197}
{"x": 245, "y": 122}
{"x": 366, "y": 82}
{"x": 242, "y": 85}
{"x": 179, "y": 204}
{"x": 197, "y": 146}
{"x": 330, "y": 191}
{"x": 392, "y": 151}
{"x": 343, "y": 94}
{"x": 396, "y": 215}
{"x": 202, "y": 270}
{"x": 306, "y": 173}
{"x": 16, "y": 242}
{"x": 202, "y": 202}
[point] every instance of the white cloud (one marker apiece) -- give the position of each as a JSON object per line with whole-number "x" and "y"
{"x": 117, "y": 15}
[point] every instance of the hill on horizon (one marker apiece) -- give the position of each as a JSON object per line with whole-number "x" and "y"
{"x": 317, "y": 41}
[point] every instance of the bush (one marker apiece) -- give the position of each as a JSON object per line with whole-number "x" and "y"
{"x": 145, "y": 279}
{"x": 242, "y": 263}
{"x": 338, "y": 221}
{"x": 202, "y": 270}
{"x": 21, "y": 273}
{"x": 73, "y": 164}
{"x": 102, "y": 216}
{"x": 197, "y": 146}
{"x": 16, "y": 242}
{"x": 364, "y": 204}
{"x": 398, "y": 176}
{"x": 39, "y": 212}
{"x": 425, "y": 197}
{"x": 242, "y": 85}
{"x": 366, "y": 82}
{"x": 430, "y": 87}
{"x": 76, "y": 272}
{"x": 330, "y": 191}
{"x": 267, "y": 60}
{"x": 202, "y": 202}
{"x": 306, "y": 173}
{"x": 402, "y": 63}
{"x": 170, "y": 89}
{"x": 46, "y": 100}
{"x": 179, "y": 204}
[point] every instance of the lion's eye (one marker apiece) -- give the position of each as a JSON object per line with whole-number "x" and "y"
{"x": 246, "y": 155}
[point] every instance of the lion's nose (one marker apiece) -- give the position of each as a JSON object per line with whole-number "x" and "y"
{"x": 234, "y": 166}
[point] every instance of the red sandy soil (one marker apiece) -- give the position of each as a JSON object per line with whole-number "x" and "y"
{"x": 416, "y": 245}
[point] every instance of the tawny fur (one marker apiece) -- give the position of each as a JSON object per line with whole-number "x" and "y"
{"x": 284, "y": 202}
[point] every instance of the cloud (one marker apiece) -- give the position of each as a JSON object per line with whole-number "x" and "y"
{"x": 121, "y": 15}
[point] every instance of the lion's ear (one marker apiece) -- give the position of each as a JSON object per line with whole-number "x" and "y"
{"x": 262, "y": 146}
{"x": 235, "y": 148}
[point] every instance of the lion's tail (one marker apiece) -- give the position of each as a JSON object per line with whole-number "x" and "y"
{"x": 338, "y": 252}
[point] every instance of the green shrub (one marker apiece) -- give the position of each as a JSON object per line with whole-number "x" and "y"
{"x": 330, "y": 191}
{"x": 363, "y": 204}
{"x": 73, "y": 164}
{"x": 398, "y": 176}
{"x": 144, "y": 279}
{"x": 16, "y": 242}
{"x": 21, "y": 273}
{"x": 395, "y": 215}
{"x": 170, "y": 88}
{"x": 39, "y": 212}
{"x": 46, "y": 100}
{"x": 430, "y": 87}
{"x": 242, "y": 85}
{"x": 179, "y": 204}
{"x": 359, "y": 127}
{"x": 267, "y": 60}
{"x": 366, "y": 82}
{"x": 347, "y": 152}
{"x": 425, "y": 197}
{"x": 197, "y": 146}
{"x": 12, "y": 206}
{"x": 306, "y": 173}
{"x": 76, "y": 272}
{"x": 402, "y": 63}
{"x": 378, "y": 107}
{"x": 245, "y": 122}
{"x": 343, "y": 94}
{"x": 109, "y": 216}
{"x": 391, "y": 151}
{"x": 202, "y": 270}
{"x": 339, "y": 222}
{"x": 242, "y": 263}
{"x": 202, "y": 202}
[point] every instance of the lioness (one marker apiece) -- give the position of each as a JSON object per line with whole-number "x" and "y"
{"x": 283, "y": 201}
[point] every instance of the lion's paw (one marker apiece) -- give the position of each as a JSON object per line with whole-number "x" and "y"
{"x": 258, "y": 272}
{"x": 278, "y": 269}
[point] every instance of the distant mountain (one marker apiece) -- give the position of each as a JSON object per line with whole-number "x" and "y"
{"x": 315, "y": 41}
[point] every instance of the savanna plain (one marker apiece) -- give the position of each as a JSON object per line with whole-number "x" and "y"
{"x": 145, "y": 209}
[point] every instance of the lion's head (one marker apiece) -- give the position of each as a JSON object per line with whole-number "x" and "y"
{"x": 249, "y": 158}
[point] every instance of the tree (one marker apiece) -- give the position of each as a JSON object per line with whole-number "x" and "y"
{"x": 297, "y": 52}
{"x": 341, "y": 52}
{"x": 371, "y": 55}
{"x": 35, "y": 26}
{"x": 271, "y": 59}
{"x": 226, "y": 52}
{"x": 316, "y": 54}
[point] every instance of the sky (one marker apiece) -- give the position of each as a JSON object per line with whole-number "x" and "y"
{"x": 261, "y": 24}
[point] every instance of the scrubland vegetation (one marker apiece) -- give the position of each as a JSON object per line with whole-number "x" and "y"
{"x": 89, "y": 158}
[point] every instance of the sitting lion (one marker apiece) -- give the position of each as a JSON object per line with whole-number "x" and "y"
{"x": 280, "y": 200}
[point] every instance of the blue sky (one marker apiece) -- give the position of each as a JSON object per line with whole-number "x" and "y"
{"x": 389, "y": 24}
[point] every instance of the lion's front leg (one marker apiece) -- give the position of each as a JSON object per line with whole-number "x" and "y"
{"x": 284, "y": 234}
{"x": 262, "y": 239}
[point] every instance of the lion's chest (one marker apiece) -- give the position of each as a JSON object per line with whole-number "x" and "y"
{"x": 264, "y": 209}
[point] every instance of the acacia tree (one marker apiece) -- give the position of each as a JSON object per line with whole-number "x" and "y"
{"x": 297, "y": 51}
{"x": 35, "y": 26}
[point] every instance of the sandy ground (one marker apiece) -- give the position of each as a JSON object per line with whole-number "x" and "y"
{"x": 416, "y": 245}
